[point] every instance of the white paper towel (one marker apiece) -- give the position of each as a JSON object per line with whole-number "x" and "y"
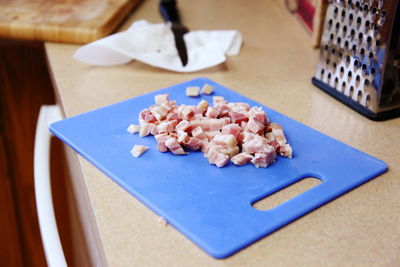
{"x": 154, "y": 44}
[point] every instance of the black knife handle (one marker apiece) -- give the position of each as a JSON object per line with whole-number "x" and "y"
{"x": 169, "y": 11}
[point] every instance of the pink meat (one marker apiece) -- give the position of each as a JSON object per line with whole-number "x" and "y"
{"x": 233, "y": 129}
{"x": 173, "y": 114}
{"x": 182, "y": 136}
{"x": 183, "y": 125}
{"x": 212, "y": 134}
{"x": 223, "y": 110}
{"x": 285, "y": 151}
{"x": 160, "y": 99}
{"x": 209, "y": 124}
{"x": 193, "y": 143}
{"x": 161, "y": 138}
{"x": 241, "y": 159}
{"x": 146, "y": 116}
{"x": 212, "y": 112}
{"x": 239, "y": 107}
{"x": 146, "y": 128}
{"x": 257, "y": 114}
{"x": 185, "y": 112}
{"x": 199, "y": 133}
{"x": 257, "y": 145}
{"x": 264, "y": 159}
{"x": 254, "y": 126}
{"x": 218, "y": 100}
{"x": 217, "y": 158}
{"x": 225, "y": 140}
{"x": 167, "y": 126}
{"x": 238, "y": 117}
{"x": 174, "y": 146}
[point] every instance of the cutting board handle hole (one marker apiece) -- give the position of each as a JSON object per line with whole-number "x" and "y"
{"x": 275, "y": 199}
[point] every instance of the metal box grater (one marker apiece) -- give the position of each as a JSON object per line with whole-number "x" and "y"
{"x": 359, "y": 61}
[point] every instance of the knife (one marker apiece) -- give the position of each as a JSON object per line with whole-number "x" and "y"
{"x": 170, "y": 14}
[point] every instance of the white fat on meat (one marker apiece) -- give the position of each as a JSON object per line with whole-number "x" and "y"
{"x": 241, "y": 159}
{"x": 192, "y": 91}
{"x": 174, "y": 146}
{"x": 160, "y": 99}
{"x": 133, "y": 128}
{"x": 207, "y": 89}
{"x": 138, "y": 150}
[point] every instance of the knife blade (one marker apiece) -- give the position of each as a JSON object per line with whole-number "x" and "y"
{"x": 170, "y": 14}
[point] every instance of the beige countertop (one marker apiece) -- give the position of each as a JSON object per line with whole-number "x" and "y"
{"x": 275, "y": 66}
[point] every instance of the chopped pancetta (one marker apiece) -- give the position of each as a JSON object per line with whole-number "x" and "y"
{"x": 174, "y": 146}
{"x": 133, "y": 128}
{"x": 223, "y": 132}
{"x": 138, "y": 150}
{"x": 192, "y": 91}
{"x": 207, "y": 89}
{"x": 241, "y": 159}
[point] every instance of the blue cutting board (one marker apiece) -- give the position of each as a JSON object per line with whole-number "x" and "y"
{"x": 213, "y": 206}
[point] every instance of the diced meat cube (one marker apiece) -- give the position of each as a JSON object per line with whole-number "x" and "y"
{"x": 243, "y": 124}
{"x": 226, "y": 140}
{"x": 167, "y": 126}
{"x": 174, "y": 146}
{"x": 247, "y": 136}
{"x": 199, "y": 133}
{"x": 193, "y": 143}
{"x": 202, "y": 106}
{"x": 274, "y": 144}
{"x": 241, "y": 159}
{"x": 233, "y": 129}
{"x": 231, "y": 151}
{"x": 238, "y": 117}
{"x": 192, "y": 91}
{"x": 212, "y": 112}
{"x": 207, "y": 89}
{"x": 212, "y": 134}
{"x": 257, "y": 114}
{"x": 159, "y": 112}
{"x": 183, "y": 125}
{"x": 269, "y": 136}
{"x": 274, "y": 125}
{"x": 182, "y": 136}
{"x": 239, "y": 107}
{"x": 217, "y": 158}
{"x": 138, "y": 150}
{"x": 254, "y": 126}
{"x": 264, "y": 159}
{"x": 160, "y": 99}
{"x": 133, "y": 128}
{"x": 218, "y": 100}
{"x": 161, "y": 138}
{"x": 285, "y": 151}
{"x": 257, "y": 145}
{"x": 210, "y": 124}
{"x": 223, "y": 110}
{"x": 146, "y": 128}
{"x": 279, "y": 136}
{"x": 185, "y": 112}
{"x": 146, "y": 116}
{"x": 173, "y": 114}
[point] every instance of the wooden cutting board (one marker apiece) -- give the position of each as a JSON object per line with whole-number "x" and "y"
{"x": 70, "y": 21}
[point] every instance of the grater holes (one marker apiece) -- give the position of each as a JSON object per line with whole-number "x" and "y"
{"x": 331, "y": 37}
{"x": 360, "y": 37}
{"x": 341, "y": 72}
{"x": 364, "y": 67}
{"x": 356, "y": 63}
{"x": 337, "y": 26}
{"x": 334, "y": 65}
{"x": 339, "y": 41}
{"x": 351, "y": 91}
{"x": 373, "y": 70}
{"x": 367, "y": 24}
{"x": 347, "y": 60}
{"x": 366, "y": 7}
{"x": 371, "y": 55}
{"x": 359, "y": 96}
{"x": 326, "y": 47}
{"x": 333, "y": 51}
{"x": 330, "y": 24}
{"x": 343, "y": 86}
{"x": 336, "y": 81}
{"x": 366, "y": 83}
{"x": 335, "y": 12}
{"x": 362, "y": 52}
{"x": 382, "y": 18}
{"x": 374, "y": 10}
{"x": 340, "y": 55}
{"x": 352, "y": 33}
{"x": 349, "y": 76}
{"x": 358, "y": 80}
{"x": 357, "y": 5}
{"x": 346, "y": 44}
{"x": 351, "y": 17}
{"x": 322, "y": 73}
{"x": 378, "y": 43}
{"x": 368, "y": 101}
{"x": 343, "y": 15}
{"x": 369, "y": 40}
{"x": 327, "y": 61}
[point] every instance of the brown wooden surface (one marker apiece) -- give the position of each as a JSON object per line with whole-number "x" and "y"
{"x": 72, "y": 21}
{"x": 25, "y": 86}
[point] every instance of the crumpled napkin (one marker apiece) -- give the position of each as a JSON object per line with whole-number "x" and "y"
{"x": 154, "y": 44}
